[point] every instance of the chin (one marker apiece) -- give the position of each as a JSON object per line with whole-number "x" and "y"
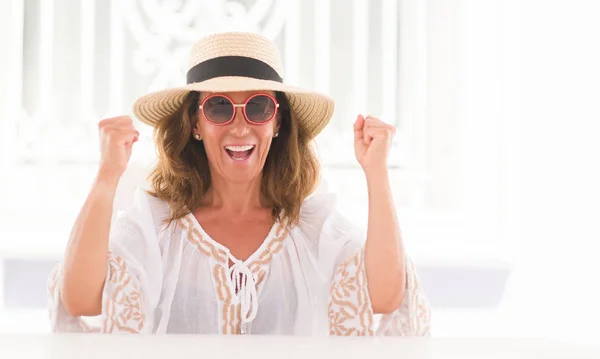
{"x": 241, "y": 176}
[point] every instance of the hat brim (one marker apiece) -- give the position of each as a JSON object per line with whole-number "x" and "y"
{"x": 312, "y": 110}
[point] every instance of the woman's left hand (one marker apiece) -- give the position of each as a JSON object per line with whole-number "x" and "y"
{"x": 372, "y": 142}
{"x": 384, "y": 258}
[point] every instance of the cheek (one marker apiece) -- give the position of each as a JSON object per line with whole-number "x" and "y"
{"x": 211, "y": 136}
{"x": 266, "y": 136}
{"x": 210, "y": 130}
{"x": 267, "y": 132}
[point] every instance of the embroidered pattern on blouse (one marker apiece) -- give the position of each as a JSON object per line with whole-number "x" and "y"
{"x": 53, "y": 290}
{"x": 414, "y": 315}
{"x": 420, "y": 305}
{"x": 123, "y": 308}
{"x": 230, "y": 317}
{"x": 259, "y": 266}
{"x": 73, "y": 324}
{"x": 350, "y": 311}
{"x": 202, "y": 244}
{"x": 231, "y": 311}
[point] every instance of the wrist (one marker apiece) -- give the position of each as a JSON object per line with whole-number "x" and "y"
{"x": 378, "y": 185}
{"x": 377, "y": 176}
{"x": 106, "y": 178}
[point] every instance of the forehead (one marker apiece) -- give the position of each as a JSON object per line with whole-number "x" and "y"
{"x": 239, "y": 96}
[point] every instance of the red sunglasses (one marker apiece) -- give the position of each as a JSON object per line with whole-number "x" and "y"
{"x": 258, "y": 109}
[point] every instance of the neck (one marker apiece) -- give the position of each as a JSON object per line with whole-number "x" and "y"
{"x": 235, "y": 198}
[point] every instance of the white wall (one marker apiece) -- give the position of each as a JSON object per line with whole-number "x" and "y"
{"x": 530, "y": 78}
{"x": 558, "y": 273}
{"x": 519, "y": 80}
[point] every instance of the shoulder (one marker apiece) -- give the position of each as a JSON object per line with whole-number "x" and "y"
{"x": 321, "y": 221}
{"x": 324, "y": 234}
{"x": 145, "y": 212}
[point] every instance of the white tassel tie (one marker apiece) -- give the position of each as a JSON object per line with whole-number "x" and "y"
{"x": 245, "y": 289}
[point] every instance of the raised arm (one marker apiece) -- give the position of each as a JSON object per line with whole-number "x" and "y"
{"x": 384, "y": 256}
{"x": 84, "y": 267}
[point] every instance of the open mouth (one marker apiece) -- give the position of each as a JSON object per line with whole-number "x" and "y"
{"x": 240, "y": 153}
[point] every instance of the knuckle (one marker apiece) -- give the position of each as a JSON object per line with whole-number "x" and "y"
{"x": 109, "y": 134}
{"x": 117, "y": 119}
{"x": 113, "y": 135}
{"x": 104, "y": 131}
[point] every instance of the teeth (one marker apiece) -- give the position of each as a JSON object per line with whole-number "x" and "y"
{"x": 239, "y": 148}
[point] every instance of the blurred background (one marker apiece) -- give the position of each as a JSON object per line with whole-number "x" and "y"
{"x": 495, "y": 165}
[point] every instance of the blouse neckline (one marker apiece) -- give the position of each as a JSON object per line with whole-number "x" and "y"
{"x": 257, "y": 253}
{"x": 239, "y": 285}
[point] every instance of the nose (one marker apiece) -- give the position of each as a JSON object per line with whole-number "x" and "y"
{"x": 239, "y": 126}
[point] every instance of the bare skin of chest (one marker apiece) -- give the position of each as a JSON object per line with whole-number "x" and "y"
{"x": 241, "y": 235}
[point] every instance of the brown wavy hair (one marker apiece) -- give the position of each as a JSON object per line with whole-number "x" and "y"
{"x": 182, "y": 175}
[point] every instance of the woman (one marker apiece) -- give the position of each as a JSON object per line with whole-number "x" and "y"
{"x": 232, "y": 238}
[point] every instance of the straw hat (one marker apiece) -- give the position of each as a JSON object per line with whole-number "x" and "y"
{"x": 234, "y": 61}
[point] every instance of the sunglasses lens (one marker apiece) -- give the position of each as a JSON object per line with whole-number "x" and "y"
{"x": 218, "y": 109}
{"x": 260, "y": 108}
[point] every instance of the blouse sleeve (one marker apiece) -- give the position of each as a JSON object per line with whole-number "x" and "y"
{"x": 132, "y": 285}
{"x": 350, "y": 311}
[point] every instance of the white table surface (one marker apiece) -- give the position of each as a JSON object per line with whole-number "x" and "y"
{"x": 89, "y": 346}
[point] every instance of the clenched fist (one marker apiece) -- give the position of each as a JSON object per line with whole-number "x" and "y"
{"x": 117, "y": 136}
{"x": 372, "y": 141}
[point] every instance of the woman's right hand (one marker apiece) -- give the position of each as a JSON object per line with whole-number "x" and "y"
{"x": 86, "y": 257}
{"x": 117, "y": 136}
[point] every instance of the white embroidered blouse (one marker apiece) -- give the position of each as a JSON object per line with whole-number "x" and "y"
{"x": 310, "y": 280}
